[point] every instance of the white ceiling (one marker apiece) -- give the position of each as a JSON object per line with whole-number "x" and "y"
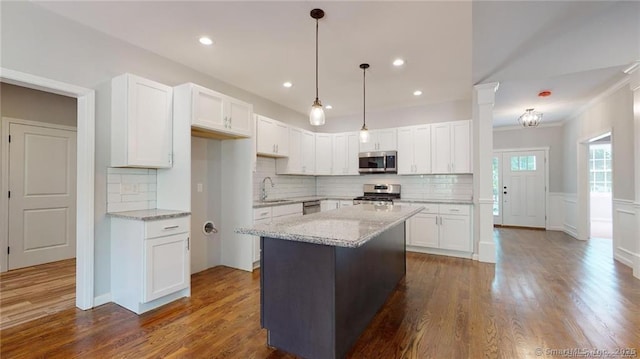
{"x": 576, "y": 49}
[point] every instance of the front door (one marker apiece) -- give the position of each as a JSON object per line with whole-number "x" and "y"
{"x": 42, "y": 202}
{"x": 523, "y": 189}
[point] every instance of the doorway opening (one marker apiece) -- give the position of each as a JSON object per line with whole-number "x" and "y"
{"x": 600, "y": 187}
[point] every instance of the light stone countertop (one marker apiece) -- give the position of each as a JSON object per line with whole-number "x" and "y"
{"x": 149, "y": 214}
{"x": 294, "y": 200}
{"x": 443, "y": 201}
{"x": 345, "y": 227}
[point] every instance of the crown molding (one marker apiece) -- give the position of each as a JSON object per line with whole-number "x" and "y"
{"x": 518, "y": 127}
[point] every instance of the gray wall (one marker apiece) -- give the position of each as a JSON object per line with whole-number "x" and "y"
{"x": 38, "y": 42}
{"x": 551, "y": 137}
{"x": 612, "y": 113}
{"x": 33, "y": 105}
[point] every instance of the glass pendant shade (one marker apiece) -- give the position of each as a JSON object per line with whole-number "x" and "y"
{"x": 316, "y": 115}
{"x": 530, "y": 118}
{"x": 364, "y": 135}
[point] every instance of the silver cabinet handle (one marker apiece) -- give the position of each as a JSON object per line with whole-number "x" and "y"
{"x": 277, "y": 148}
{"x": 230, "y": 121}
{"x": 171, "y": 227}
{"x": 264, "y": 213}
{"x": 188, "y": 243}
{"x": 454, "y": 210}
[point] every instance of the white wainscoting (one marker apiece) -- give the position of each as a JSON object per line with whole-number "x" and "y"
{"x": 625, "y": 235}
{"x": 570, "y": 225}
{"x": 555, "y": 216}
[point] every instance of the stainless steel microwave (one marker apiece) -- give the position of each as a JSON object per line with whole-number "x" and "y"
{"x": 378, "y": 162}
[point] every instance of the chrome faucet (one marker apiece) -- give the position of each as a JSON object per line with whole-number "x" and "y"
{"x": 263, "y": 196}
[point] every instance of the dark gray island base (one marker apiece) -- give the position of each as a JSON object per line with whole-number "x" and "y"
{"x": 317, "y": 299}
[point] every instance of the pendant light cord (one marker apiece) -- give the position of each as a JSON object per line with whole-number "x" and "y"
{"x": 316, "y": 60}
{"x": 364, "y": 97}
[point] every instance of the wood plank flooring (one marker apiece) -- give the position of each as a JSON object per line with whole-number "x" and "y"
{"x": 547, "y": 291}
{"x": 35, "y": 292}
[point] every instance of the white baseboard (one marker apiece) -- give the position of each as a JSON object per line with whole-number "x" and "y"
{"x": 570, "y": 230}
{"x": 555, "y": 228}
{"x": 474, "y": 256}
{"x": 438, "y": 251}
{"x": 102, "y": 299}
{"x": 623, "y": 256}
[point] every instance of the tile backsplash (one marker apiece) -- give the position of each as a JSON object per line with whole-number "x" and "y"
{"x": 130, "y": 189}
{"x": 415, "y": 187}
{"x": 285, "y": 186}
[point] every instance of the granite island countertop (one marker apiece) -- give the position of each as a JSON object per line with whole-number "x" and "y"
{"x": 149, "y": 214}
{"x": 345, "y": 227}
{"x": 294, "y": 200}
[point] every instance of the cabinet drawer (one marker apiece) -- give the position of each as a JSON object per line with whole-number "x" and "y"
{"x": 285, "y": 217}
{"x": 287, "y": 209}
{"x": 166, "y": 227}
{"x": 261, "y": 213}
{"x": 454, "y": 209}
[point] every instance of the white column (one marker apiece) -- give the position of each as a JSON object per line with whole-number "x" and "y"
{"x": 483, "y": 100}
{"x": 635, "y": 87}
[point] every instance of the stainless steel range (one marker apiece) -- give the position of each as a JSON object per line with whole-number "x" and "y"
{"x": 379, "y": 194}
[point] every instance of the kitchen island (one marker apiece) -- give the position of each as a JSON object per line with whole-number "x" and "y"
{"x": 325, "y": 275}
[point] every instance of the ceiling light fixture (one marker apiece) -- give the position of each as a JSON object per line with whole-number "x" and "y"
{"x": 530, "y": 118}
{"x": 398, "y": 62}
{"x": 417, "y": 93}
{"x": 205, "y": 41}
{"x": 316, "y": 115}
{"x": 364, "y": 131}
{"x": 287, "y": 84}
{"x": 328, "y": 107}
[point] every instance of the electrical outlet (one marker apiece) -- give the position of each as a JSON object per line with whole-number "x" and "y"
{"x": 128, "y": 188}
{"x": 199, "y": 187}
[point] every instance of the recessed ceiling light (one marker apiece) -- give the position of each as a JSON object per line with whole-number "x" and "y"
{"x": 287, "y": 84}
{"x": 417, "y": 93}
{"x": 328, "y": 107}
{"x": 398, "y": 62}
{"x": 205, "y": 41}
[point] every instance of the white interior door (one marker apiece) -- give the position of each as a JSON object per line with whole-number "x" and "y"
{"x": 42, "y": 203}
{"x": 523, "y": 189}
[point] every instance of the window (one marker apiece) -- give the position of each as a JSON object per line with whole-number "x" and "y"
{"x": 600, "y": 168}
{"x": 523, "y": 163}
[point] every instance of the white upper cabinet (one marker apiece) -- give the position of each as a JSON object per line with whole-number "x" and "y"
{"x": 345, "y": 153}
{"x": 302, "y": 154}
{"x": 216, "y": 112}
{"x": 141, "y": 123}
{"x": 414, "y": 150}
{"x": 450, "y": 147}
{"x": 273, "y": 137}
{"x": 323, "y": 153}
{"x": 381, "y": 140}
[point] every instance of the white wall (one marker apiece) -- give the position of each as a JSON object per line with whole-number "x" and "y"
{"x": 38, "y": 42}
{"x": 33, "y": 105}
{"x": 551, "y": 137}
{"x": 440, "y": 112}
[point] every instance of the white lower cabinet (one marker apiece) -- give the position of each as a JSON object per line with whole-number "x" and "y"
{"x": 346, "y": 203}
{"x": 267, "y": 215}
{"x": 445, "y": 228}
{"x": 150, "y": 262}
{"x": 329, "y": 204}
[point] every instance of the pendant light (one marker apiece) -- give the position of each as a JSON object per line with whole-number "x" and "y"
{"x": 364, "y": 131}
{"x": 316, "y": 116}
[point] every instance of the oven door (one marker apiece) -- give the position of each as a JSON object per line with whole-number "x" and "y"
{"x": 372, "y": 162}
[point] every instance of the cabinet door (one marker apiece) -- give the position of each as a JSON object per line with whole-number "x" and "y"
{"x": 339, "y": 155}
{"x": 405, "y": 151}
{"x": 423, "y": 230}
{"x": 208, "y": 109}
{"x": 329, "y": 204}
{"x": 346, "y": 204}
{"x": 282, "y": 140}
{"x": 166, "y": 266}
{"x": 323, "y": 154}
{"x": 455, "y": 233}
{"x": 308, "y": 152}
{"x": 440, "y": 148}
{"x": 149, "y": 123}
{"x": 460, "y": 147}
{"x": 239, "y": 116}
{"x": 387, "y": 139}
{"x": 370, "y": 146}
{"x": 421, "y": 149}
{"x": 265, "y": 133}
{"x": 353, "y": 146}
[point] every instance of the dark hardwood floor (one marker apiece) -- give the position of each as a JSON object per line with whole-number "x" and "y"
{"x": 548, "y": 291}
